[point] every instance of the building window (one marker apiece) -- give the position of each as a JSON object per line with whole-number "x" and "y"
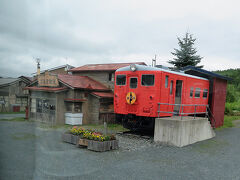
{"x": 133, "y": 83}
{"x": 121, "y": 80}
{"x": 171, "y": 87}
{"x": 197, "y": 92}
{"x": 166, "y": 81}
{"x": 148, "y": 80}
{"x": 111, "y": 77}
{"x": 77, "y": 107}
{"x": 74, "y": 107}
{"x": 205, "y": 93}
{"x": 191, "y": 92}
{"x": 44, "y": 105}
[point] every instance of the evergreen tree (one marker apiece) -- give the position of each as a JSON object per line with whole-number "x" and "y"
{"x": 186, "y": 55}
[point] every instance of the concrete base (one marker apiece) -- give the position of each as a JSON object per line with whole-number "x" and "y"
{"x": 182, "y": 132}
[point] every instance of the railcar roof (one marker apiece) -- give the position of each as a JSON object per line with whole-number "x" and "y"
{"x": 148, "y": 68}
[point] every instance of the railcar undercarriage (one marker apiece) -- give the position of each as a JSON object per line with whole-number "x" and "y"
{"x": 136, "y": 123}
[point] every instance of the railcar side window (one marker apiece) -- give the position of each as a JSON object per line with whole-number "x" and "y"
{"x": 121, "y": 80}
{"x": 133, "y": 83}
{"x": 171, "y": 87}
{"x": 191, "y": 92}
{"x": 205, "y": 93}
{"x": 166, "y": 81}
{"x": 148, "y": 80}
{"x": 197, "y": 92}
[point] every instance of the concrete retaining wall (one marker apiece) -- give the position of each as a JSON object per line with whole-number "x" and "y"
{"x": 181, "y": 132}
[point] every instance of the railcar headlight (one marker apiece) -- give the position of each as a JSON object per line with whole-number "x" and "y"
{"x": 133, "y": 67}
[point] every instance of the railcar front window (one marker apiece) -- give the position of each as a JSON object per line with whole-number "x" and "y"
{"x": 197, "y": 92}
{"x": 133, "y": 83}
{"x": 121, "y": 80}
{"x": 147, "y": 80}
{"x": 205, "y": 93}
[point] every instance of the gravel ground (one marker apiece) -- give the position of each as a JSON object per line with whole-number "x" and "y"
{"x": 31, "y": 152}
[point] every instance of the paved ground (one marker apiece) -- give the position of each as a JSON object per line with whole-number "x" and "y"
{"x": 30, "y": 152}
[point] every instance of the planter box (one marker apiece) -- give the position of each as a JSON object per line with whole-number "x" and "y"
{"x": 67, "y": 137}
{"x": 82, "y": 142}
{"x": 102, "y": 146}
{"x": 74, "y": 139}
{"x": 98, "y": 146}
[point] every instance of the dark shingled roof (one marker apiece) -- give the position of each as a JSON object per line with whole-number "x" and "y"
{"x": 190, "y": 69}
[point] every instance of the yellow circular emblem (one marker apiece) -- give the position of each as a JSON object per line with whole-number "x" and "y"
{"x": 131, "y": 98}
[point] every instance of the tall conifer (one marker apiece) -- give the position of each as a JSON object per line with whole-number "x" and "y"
{"x": 186, "y": 54}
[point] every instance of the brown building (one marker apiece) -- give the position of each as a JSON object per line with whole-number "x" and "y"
{"x": 13, "y": 97}
{"x": 55, "y": 97}
{"x": 103, "y": 73}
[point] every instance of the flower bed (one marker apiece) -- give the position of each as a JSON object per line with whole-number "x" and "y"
{"x": 93, "y": 140}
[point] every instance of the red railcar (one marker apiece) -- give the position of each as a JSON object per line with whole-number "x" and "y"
{"x": 139, "y": 90}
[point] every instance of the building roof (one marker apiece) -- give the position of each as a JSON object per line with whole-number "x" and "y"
{"x": 26, "y": 79}
{"x": 205, "y": 73}
{"x": 103, "y": 67}
{"x": 81, "y": 82}
{"x": 58, "y": 67}
{"x": 103, "y": 94}
{"x": 7, "y": 81}
{"x": 49, "y": 89}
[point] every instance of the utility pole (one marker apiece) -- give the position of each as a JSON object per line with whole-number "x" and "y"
{"x": 154, "y": 61}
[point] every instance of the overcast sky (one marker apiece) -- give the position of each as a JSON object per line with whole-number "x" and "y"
{"x": 98, "y": 31}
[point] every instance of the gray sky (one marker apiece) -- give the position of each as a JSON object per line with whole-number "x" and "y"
{"x": 99, "y": 31}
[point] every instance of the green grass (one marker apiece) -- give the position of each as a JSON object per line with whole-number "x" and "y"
{"x": 228, "y": 121}
{"x": 19, "y": 119}
{"x": 21, "y": 112}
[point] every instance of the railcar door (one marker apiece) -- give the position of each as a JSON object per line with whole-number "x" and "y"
{"x": 132, "y": 93}
{"x": 171, "y": 95}
{"x": 178, "y": 95}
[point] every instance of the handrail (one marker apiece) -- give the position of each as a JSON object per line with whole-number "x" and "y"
{"x": 181, "y": 108}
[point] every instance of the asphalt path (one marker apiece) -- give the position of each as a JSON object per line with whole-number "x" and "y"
{"x": 31, "y": 152}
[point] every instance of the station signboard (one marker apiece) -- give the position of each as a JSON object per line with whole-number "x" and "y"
{"x": 48, "y": 80}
